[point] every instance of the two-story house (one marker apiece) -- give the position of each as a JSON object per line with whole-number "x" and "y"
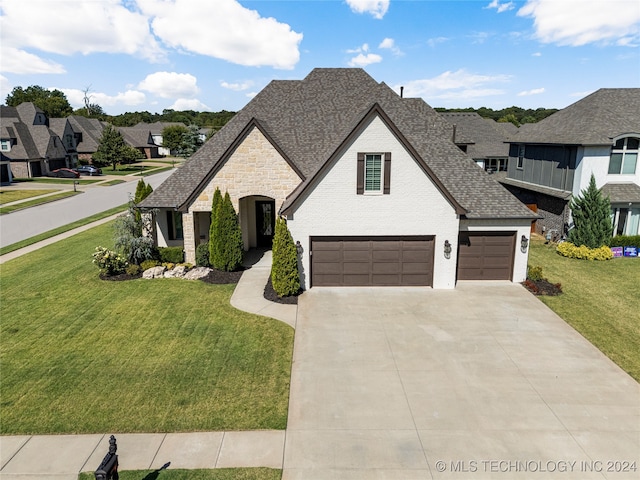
{"x": 552, "y": 161}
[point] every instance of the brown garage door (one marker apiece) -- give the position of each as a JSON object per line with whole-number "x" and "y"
{"x": 485, "y": 255}
{"x": 367, "y": 261}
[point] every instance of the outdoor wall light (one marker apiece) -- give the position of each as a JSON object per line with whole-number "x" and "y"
{"x": 524, "y": 243}
{"x": 299, "y": 247}
{"x": 447, "y": 249}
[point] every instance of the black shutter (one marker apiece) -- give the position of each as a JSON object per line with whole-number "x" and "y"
{"x": 387, "y": 173}
{"x": 360, "y": 179}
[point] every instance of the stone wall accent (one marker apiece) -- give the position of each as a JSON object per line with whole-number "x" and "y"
{"x": 189, "y": 238}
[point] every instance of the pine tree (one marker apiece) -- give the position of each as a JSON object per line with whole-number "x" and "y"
{"x": 228, "y": 238}
{"x": 284, "y": 268}
{"x": 215, "y": 212}
{"x": 591, "y": 217}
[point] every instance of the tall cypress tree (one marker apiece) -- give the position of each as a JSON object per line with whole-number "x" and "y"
{"x": 215, "y": 209}
{"x": 228, "y": 238}
{"x": 591, "y": 214}
{"x": 285, "y": 277}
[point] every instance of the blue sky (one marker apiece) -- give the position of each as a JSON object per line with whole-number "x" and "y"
{"x": 137, "y": 55}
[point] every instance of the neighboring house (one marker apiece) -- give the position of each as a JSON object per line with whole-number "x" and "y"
{"x": 27, "y": 142}
{"x": 62, "y": 127}
{"x": 156, "y": 129}
{"x": 140, "y": 138}
{"x": 87, "y": 133}
{"x": 483, "y": 139}
{"x": 5, "y": 170}
{"x": 552, "y": 161}
{"x": 373, "y": 189}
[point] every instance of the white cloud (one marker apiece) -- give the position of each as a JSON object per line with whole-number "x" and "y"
{"x": 5, "y": 88}
{"x": 170, "y": 85}
{"x": 432, "y": 42}
{"x": 182, "y": 104}
{"x": 501, "y": 7}
{"x": 224, "y": 29}
{"x": 535, "y": 91}
{"x": 19, "y": 61}
{"x": 536, "y": 54}
{"x": 362, "y": 60}
{"x": 455, "y": 85}
{"x": 66, "y": 27}
{"x": 237, "y": 87}
{"x": 376, "y": 8}
{"x": 390, "y": 44}
{"x": 363, "y": 48}
{"x": 128, "y": 98}
{"x": 581, "y": 23}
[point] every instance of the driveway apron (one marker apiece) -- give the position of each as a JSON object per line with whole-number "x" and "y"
{"x": 479, "y": 382}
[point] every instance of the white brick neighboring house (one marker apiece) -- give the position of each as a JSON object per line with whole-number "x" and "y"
{"x": 371, "y": 184}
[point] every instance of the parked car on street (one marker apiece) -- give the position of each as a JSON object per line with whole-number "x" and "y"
{"x": 88, "y": 170}
{"x": 64, "y": 173}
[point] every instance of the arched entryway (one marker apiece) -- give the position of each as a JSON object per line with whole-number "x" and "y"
{"x": 257, "y": 221}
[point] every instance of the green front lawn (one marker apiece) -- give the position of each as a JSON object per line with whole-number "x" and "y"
{"x": 82, "y": 355}
{"x": 56, "y": 180}
{"x": 37, "y": 201}
{"x": 600, "y": 301}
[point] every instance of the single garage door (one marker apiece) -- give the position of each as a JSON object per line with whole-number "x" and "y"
{"x": 371, "y": 261}
{"x": 485, "y": 255}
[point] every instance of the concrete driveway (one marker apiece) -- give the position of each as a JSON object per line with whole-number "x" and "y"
{"x": 480, "y": 382}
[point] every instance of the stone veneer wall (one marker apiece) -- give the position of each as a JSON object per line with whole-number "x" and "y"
{"x": 255, "y": 168}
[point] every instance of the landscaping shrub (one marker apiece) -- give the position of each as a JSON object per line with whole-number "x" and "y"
{"x": 109, "y": 262}
{"x": 215, "y": 211}
{"x": 625, "y": 241}
{"x": 202, "y": 255}
{"x": 591, "y": 217}
{"x": 568, "y": 249}
{"x": 147, "y": 264}
{"x": 228, "y": 238}
{"x": 284, "y": 268}
{"x": 132, "y": 269}
{"x": 534, "y": 273}
{"x": 171, "y": 254}
{"x": 129, "y": 240}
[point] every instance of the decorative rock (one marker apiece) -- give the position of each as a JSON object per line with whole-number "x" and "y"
{"x": 155, "y": 272}
{"x": 197, "y": 273}
{"x": 180, "y": 271}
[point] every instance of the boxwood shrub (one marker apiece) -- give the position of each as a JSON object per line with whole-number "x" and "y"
{"x": 202, "y": 255}
{"x": 625, "y": 241}
{"x": 171, "y": 254}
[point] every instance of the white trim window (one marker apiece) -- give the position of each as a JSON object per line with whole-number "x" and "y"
{"x": 521, "y": 153}
{"x": 624, "y": 156}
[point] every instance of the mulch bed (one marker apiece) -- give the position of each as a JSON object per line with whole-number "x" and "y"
{"x": 271, "y": 295}
{"x": 542, "y": 287}
{"x": 119, "y": 278}
{"x": 218, "y": 277}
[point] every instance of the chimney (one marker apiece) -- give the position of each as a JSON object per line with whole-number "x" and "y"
{"x": 455, "y": 127}
{"x": 401, "y": 92}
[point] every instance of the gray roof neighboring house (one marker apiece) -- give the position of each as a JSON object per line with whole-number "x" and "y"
{"x": 90, "y": 130}
{"x": 487, "y": 138}
{"x": 621, "y": 192}
{"x": 33, "y": 139}
{"x": 310, "y": 120}
{"x": 594, "y": 120}
{"x": 156, "y": 128}
{"x": 137, "y": 137}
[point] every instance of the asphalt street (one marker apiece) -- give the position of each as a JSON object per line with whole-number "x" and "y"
{"x": 26, "y": 223}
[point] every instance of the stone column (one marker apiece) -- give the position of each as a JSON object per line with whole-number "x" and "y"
{"x": 188, "y": 231}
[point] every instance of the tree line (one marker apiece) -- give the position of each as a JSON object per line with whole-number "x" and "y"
{"x": 516, "y": 115}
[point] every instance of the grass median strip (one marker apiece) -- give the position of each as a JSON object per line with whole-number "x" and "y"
{"x": 8, "y": 196}
{"x": 83, "y": 355}
{"x": 200, "y": 474}
{"x": 37, "y": 201}
{"x": 600, "y": 301}
{"x": 68, "y": 181}
{"x": 65, "y": 228}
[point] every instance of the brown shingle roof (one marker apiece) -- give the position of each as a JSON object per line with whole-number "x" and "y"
{"x": 485, "y": 138}
{"x": 622, "y": 192}
{"x": 310, "y": 118}
{"x": 594, "y": 120}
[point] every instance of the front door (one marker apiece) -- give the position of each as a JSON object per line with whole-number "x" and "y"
{"x": 265, "y": 222}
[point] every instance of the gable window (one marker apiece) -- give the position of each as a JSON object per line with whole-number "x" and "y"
{"x": 374, "y": 173}
{"x": 624, "y": 156}
{"x": 174, "y": 225}
{"x": 520, "y": 163}
{"x": 5, "y": 145}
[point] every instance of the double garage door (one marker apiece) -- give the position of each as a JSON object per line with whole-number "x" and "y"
{"x": 485, "y": 255}
{"x": 367, "y": 261}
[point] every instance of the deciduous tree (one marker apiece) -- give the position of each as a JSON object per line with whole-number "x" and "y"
{"x": 53, "y": 103}
{"x": 111, "y": 148}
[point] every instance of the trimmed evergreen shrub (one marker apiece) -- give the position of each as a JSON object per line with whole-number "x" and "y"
{"x": 568, "y": 249}
{"x": 147, "y": 264}
{"x": 534, "y": 273}
{"x": 132, "y": 269}
{"x": 202, "y": 255}
{"x": 171, "y": 254}
{"x": 215, "y": 210}
{"x": 591, "y": 217}
{"x": 625, "y": 241}
{"x": 227, "y": 252}
{"x": 285, "y": 277}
